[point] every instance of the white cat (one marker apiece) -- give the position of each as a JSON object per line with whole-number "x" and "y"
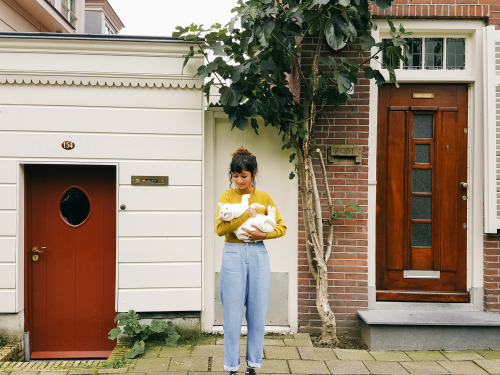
{"x": 230, "y": 211}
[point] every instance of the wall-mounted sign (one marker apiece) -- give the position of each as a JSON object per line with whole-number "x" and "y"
{"x": 423, "y": 95}
{"x": 344, "y": 154}
{"x": 68, "y": 145}
{"x": 149, "y": 180}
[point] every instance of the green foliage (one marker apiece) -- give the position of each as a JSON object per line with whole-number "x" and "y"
{"x": 117, "y": 362}
{"x": 344, "y": 213}
{"x": 128, "y": 324}
{"x": 252, "y": 58}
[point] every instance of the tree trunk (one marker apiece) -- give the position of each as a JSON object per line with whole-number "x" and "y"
{"x": 315, "y": 247}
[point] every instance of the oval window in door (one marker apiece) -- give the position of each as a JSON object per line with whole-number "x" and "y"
{"x": 75, "y": 206}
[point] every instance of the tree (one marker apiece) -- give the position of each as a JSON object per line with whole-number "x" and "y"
{"x": 254, "y": 59}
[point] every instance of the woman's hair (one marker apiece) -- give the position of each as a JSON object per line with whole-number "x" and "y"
{"x": 242, "y": 159}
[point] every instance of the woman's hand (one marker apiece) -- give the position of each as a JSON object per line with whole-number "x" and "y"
{"x": 256, "y": 234}
{"x": 252, "y": 211}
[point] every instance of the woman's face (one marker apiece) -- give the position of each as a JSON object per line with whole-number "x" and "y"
{"x": 243, "y": 180}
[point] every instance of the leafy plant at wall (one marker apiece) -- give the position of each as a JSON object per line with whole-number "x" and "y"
{"x": 257, "y": 63}
{"x": 128, "y": 324}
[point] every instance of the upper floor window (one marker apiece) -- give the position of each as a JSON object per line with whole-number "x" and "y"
{"x": 68, "y": 10}
{"x": 433, "y": 54}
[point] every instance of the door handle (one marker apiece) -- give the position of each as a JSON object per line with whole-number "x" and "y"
{"x": 463, "y": 185}
{"x": 36, "y": 251}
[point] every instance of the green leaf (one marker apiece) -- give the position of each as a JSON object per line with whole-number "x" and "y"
{"x": 320, "y": 2}
{"x": 291, "y": 176}
{"x": 334, "y": 38}
{"x": 383, "y": 4}
{"x": 229, "y": 96}
{"x": 137, "y": 349}
{"x": 345, "y": 3}
{"x": 158, "y": 326}
{"x": 114, "y": 333}
{"x": 292, "y": 157}
{"x": 343, "y": 81}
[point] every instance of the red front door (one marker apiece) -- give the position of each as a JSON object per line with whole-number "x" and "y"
{"x": 70, "y": 260}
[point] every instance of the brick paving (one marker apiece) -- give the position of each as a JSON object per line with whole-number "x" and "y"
{"x": 292, "y": 354}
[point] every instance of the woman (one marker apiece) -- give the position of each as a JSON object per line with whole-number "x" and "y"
{"x": 245, "y": 270}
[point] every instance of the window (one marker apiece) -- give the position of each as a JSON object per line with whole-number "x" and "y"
{"x": 68, "y": 10}
{"x": 433, "y": 54}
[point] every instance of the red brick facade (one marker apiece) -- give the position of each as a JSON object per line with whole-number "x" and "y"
{"x": 349, "y": 125}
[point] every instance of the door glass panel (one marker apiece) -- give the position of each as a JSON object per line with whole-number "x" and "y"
{"x": 75, "y": 206}
{"x": 421, "y": 234}
{"x": 422, "y": 126}
{"x": 422, "y": 154}
{"x": 422, "y": 181}
{"x": 433, "y": 53}
{"x": 413, "y": 57}
{"x": 455, "y": 53}
{"x": 421, "y": 208}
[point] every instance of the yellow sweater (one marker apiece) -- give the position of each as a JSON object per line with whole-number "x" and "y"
{"x": 226, "y": 228}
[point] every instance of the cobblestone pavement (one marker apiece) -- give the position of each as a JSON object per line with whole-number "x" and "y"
{"x": 283, "y": 355}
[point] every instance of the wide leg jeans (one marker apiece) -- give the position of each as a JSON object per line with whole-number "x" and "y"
{"x": 244, "y": 281}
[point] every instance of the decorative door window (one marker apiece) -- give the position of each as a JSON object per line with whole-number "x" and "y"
{"x": 432, "y": 54}
{"x": 75, "y": 206}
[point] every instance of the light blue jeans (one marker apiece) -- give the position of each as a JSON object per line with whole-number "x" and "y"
{"x": 244, "y": 281}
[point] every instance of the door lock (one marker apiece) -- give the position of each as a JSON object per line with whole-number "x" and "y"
{"x": 34, "y": 258}
{"x": 463, "y": 185}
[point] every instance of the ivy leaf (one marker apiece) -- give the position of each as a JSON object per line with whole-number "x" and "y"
{"x": 229, "y": 96}
{"x": 291, "y": 176}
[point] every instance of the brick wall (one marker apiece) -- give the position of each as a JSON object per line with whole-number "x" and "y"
{"x": 492, "y": 273}
{"x": 348, "y": 265}
{"x": 349, "y": 125}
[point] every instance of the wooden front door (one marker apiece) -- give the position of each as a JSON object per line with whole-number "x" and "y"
{"x": 70, "y": 260}
{"x": 422, "y": 193}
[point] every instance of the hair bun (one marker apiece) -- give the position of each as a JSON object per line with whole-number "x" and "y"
{"x": 241, "y": 150}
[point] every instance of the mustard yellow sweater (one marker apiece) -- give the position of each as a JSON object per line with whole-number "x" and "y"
{"x": 226, "y": 228}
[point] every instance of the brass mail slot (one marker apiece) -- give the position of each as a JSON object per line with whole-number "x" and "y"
{"x": 423, "y": 95}
{"x": 344, "y": 154}
{"x": 150, "y": 180}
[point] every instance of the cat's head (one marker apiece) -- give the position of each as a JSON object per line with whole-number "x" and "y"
{"x": 225, "y": 212}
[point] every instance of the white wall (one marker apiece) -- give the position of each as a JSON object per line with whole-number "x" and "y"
{"x": 122, "y": 103}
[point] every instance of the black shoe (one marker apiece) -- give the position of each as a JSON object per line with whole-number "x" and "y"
{"x": 250, "y": 371}
{"x": 232, "y": 373}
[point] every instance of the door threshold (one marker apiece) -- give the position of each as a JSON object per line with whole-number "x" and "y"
{"x": 98, "y": 354}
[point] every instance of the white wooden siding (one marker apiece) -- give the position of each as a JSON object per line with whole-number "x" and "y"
{"x": 7, "y": 276}
{"x": 160, "y": 299}
{"x": 7, "y": 249}
{"x": 101, "y": 120}
{"x": 171, "y": 275}
{"x": 161, "y": 198}
{"x": 175, "y": 170}
{"x": 8, "y": 223}
{"x": 9, "y": 170}
{"x": 7, "y": 300}
{"x": 101, "y": 146}
{"x": 8, "y": 194}
{"x": 492, "y": 130}
{"x": 121, "y": 103}
{"x": 159, "y": 250}
{"x": 103, "y": 96}
{"x": 160, "y": 224}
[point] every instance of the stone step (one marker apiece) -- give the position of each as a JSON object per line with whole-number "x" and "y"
{"x": 387, "y": 330}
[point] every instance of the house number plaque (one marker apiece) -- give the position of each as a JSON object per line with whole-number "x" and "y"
{"x": 68, "y": 145}
{"x": 344, "y": 154}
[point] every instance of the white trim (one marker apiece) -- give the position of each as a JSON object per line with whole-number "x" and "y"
{"x": 491, "y": 219}
{"x": 473, "y": 31}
